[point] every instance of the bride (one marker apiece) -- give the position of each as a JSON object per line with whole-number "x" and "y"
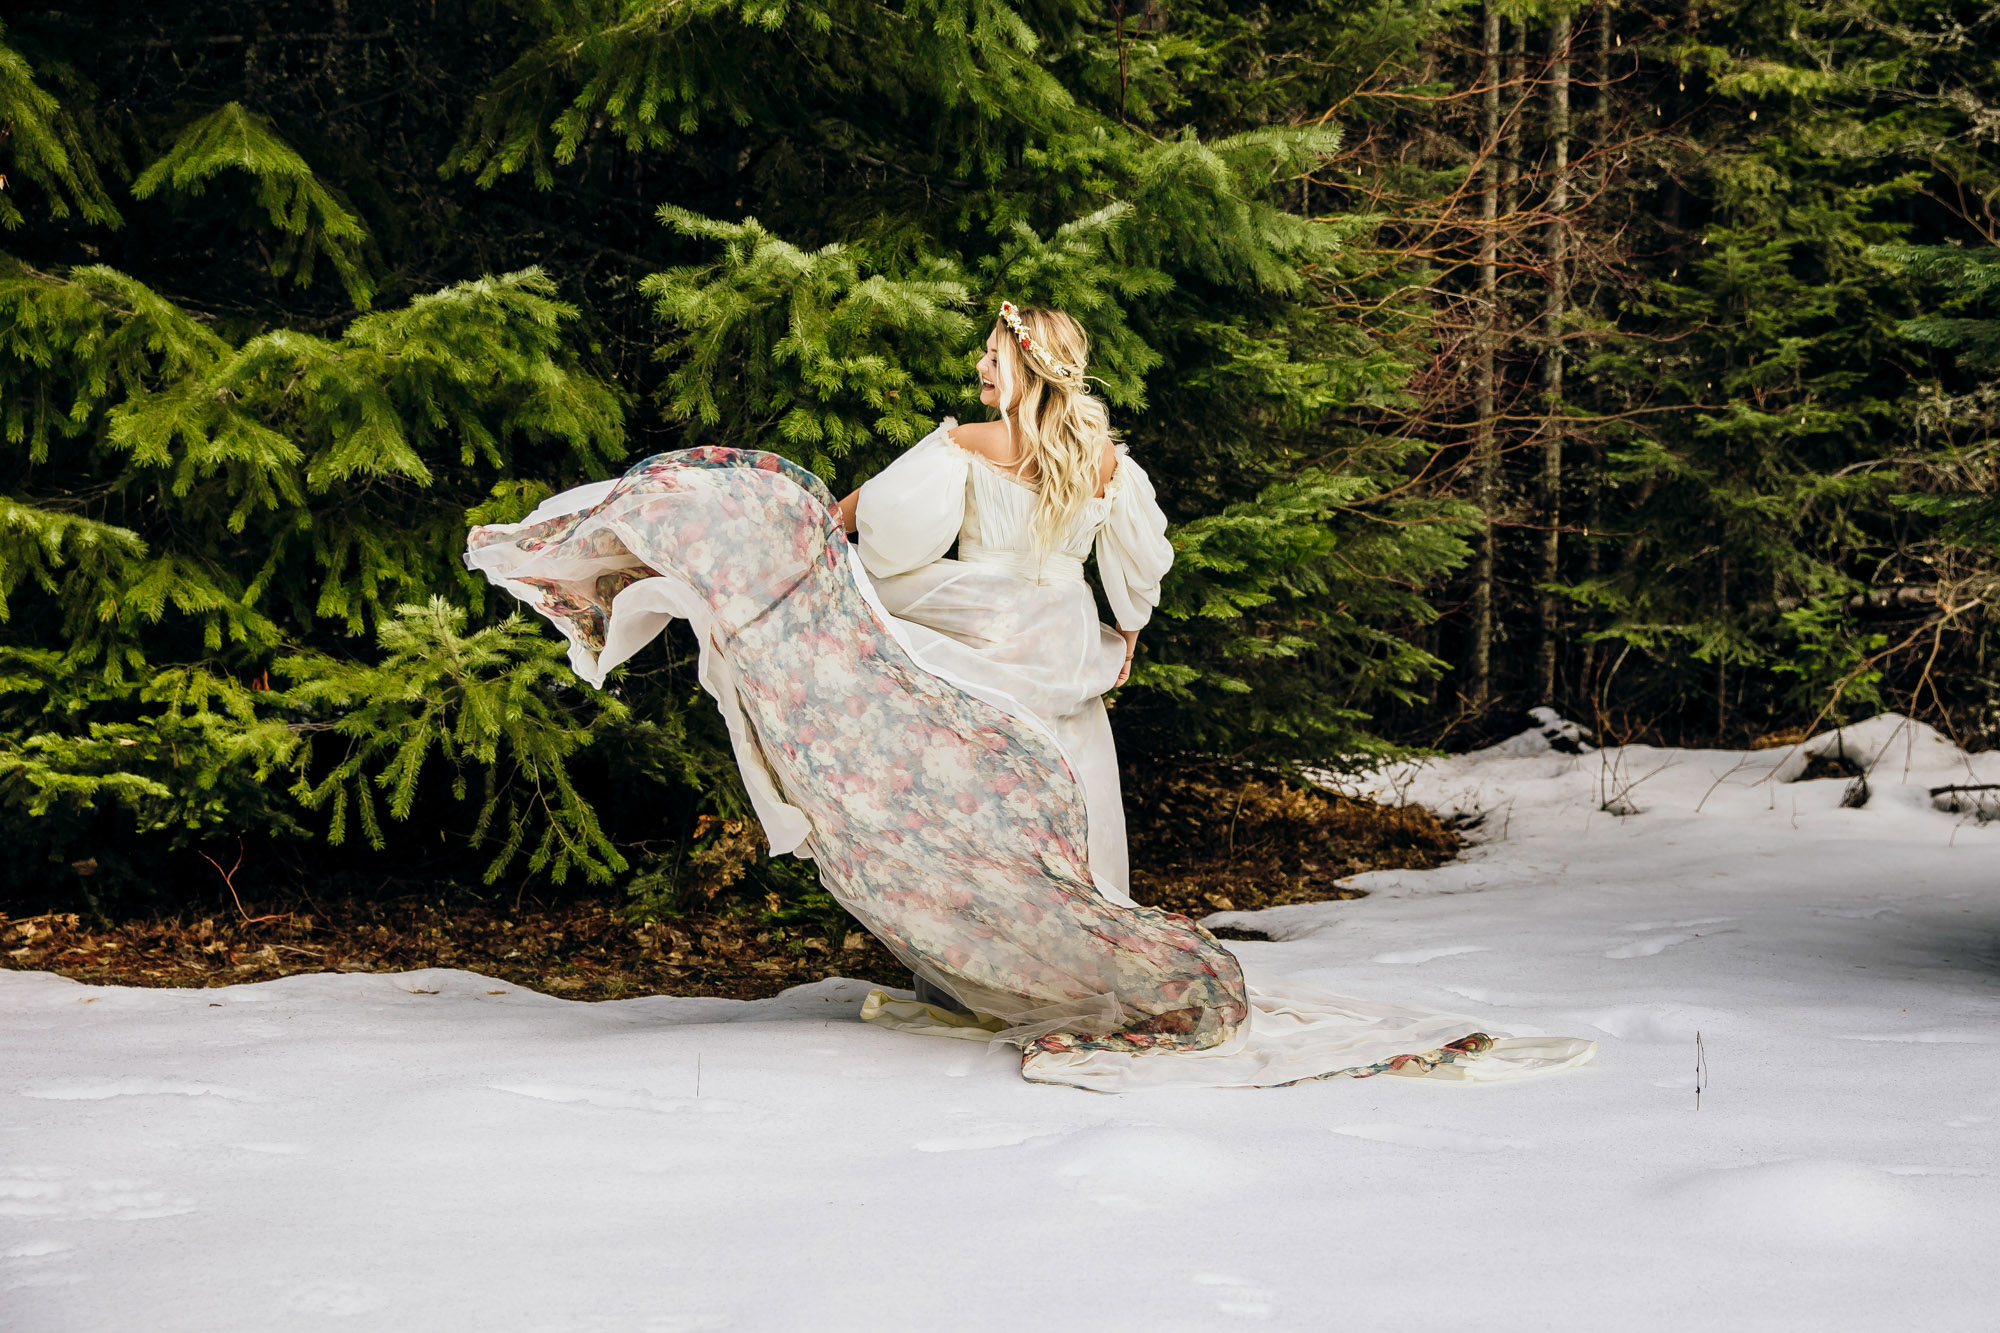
{"x": 931, "y": 730}
{"x": 1026, "y": 499}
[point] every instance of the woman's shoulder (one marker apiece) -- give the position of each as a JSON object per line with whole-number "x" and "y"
{"x": 988, "y": 439}
{"x": 1112, "y": 465}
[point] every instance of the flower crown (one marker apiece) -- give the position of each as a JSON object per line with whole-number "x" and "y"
{"x": 1058, "y": 370}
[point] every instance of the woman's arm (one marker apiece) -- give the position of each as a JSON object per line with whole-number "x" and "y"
{"x": 1131, "y": 637}
{"x": 847, "y": 508}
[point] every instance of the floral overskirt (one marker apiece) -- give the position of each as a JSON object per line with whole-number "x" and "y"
{"x": 941, "y": 813}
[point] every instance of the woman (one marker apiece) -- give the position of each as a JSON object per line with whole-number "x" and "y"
{"x": 1027, "y": 498}
{"x": 931, "y": 732}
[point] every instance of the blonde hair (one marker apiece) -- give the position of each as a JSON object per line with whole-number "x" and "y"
{"x": 1062, "y": 428}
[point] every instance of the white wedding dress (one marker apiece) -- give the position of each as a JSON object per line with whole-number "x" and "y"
{"x": 1022, "y": 624}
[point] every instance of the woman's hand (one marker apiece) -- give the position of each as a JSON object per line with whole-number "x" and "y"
{"x": 1131, "y": 637}
{"x": 847, "y": 508}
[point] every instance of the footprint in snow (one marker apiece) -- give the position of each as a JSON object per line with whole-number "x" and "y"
{"x": 329, "y": 1296}
{"x": 976, "y": 1142}
{"x": 137, "y": 1087}
{"x": 1974, "y": 1172}
{"x": 1482, "y": 995}
{"x": 42, "y": 1195}
{"x": 672, "y": 1321}
{"x": 611, "y": 1099}
{"x": 1930, "y": 1037}
{"x": 685, "y": 1322}
{"x": 983, "y": 1060}
{"x": 40, "y": 1277}
{"x": 1804, "y": 1202}
{"x": 1426, "y": 955}
{"x": 1640, "y": 927}
{"x": 1667, "y": 1024}
{"x": 1434, "y": 1140}
{"x": 1646, "y": 948}
{"x": 1234, "y": 1296}
{"x": 1118, "y": 1166}
{"x": 23, "y": 1195}
{"x": 36, "y": 1263}
{"x": 974, "y": 1131}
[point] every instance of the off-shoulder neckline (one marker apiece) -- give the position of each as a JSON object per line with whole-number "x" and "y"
{"x": 1111, "y": 487}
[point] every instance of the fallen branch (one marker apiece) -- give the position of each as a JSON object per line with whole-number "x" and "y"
{"x": 229, "y": 882}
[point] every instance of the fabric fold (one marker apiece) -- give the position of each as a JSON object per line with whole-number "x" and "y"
{"x": 1133, "y": 553}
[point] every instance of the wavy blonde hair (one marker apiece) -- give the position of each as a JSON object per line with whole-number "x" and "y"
{"x": 1063, "y": 427}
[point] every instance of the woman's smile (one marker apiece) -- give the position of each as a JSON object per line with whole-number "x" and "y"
{"x": 988, "y": 371}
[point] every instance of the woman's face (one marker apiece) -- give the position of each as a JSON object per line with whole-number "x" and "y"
{"x": 989, "y": 373}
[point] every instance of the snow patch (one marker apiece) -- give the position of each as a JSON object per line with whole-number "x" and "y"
{"x": 1800, "y": 1202}
{"x": 391, "y": 1158}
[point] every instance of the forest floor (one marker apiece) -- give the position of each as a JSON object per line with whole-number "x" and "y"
{"x": 1791, "y": 969}
{"x": 1204, "y": 840}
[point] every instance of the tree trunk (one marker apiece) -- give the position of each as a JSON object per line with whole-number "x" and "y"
{"x": 1552, "y": 360}
{"x": 1721, "y": 660}
{"x": 1486, "y": 456}
{"x": 1517, "y": 78}
{"x": 1601, "y": 130}
{"x": 336, "y": 47}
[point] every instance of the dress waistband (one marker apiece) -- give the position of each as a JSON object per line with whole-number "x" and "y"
{"x": 1055, "y": 567}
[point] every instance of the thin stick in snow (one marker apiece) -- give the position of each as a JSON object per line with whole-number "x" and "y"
{"x": 1732, "y": 771}
{"x": 1700, "y": 1069}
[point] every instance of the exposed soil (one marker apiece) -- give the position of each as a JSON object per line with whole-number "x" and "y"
{"x": 1204, "y": 840}
{"x": 581, "y": 951}
{"x": 1217, "y": 839}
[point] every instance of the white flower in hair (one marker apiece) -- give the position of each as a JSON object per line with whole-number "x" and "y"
{"x": 1060, "y": 370}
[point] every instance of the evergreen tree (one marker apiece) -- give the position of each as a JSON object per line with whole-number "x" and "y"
{"x": 1681, "y": 317}
{"x": 1749, "y": 569}
{"x": 251, "y": 407}
{"x": 189, "y": 507}
{"x": 1968, "y": 502}
{"x": 1955, "y": 480}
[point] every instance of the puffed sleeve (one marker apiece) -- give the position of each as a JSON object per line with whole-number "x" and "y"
{"x": 1133, "y": 553}
{"x": 910, "y": 512}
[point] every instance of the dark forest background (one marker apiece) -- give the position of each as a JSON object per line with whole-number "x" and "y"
{"x": 1637, "y": 359}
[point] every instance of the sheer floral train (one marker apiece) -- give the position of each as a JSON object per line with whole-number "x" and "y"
{"x": 946, "y": 815}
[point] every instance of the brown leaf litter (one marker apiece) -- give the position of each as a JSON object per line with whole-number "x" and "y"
{"x": 1204, "y": 840}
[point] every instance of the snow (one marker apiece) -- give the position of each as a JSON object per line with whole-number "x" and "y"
{"x": 438, "y": 1150}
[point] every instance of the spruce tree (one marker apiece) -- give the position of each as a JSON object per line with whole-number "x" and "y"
{"x": 259, "y": 376}
{"x": 891, "y": 180}
{"x": 1747, "y": 576}
{"x": 191, "y": 506}
{"x": 1965, "y": 415}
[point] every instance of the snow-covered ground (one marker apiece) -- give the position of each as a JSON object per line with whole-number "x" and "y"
{"x": 437, "y": 1151}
